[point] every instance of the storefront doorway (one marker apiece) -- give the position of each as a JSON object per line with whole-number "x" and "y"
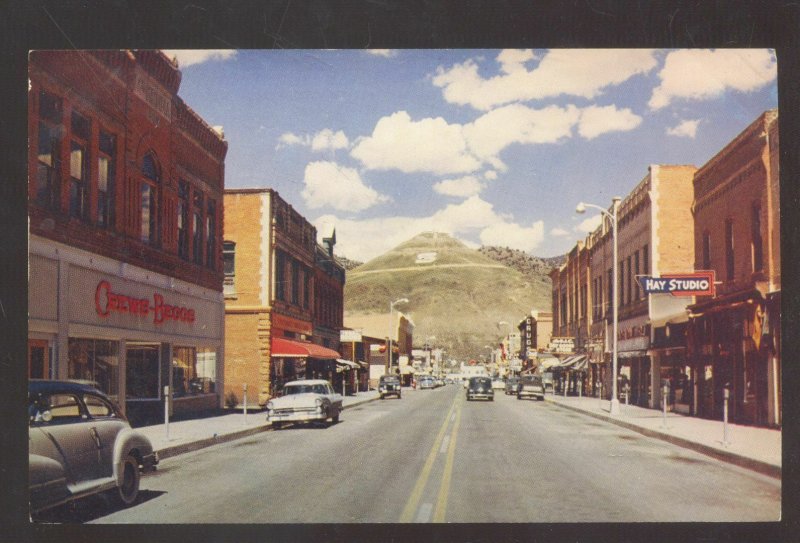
{"x": 142, "y": 371}
{"x": 38, "y": 359}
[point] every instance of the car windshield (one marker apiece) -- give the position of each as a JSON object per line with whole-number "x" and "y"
{"x": 304, "y": 389}
{"x": 390, "y": 380}
{"x": 481, "y": 381}
{"x": 535, "y": 380}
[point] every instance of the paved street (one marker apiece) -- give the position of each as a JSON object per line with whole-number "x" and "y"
{"x": 434, "y": 457}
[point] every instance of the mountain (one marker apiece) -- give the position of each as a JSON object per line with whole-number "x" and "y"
{"x": 533, "y": 267}
{"x": 455, "y": 293}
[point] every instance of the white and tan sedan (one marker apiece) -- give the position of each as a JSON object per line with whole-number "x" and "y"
{"x": 306, "y": 400}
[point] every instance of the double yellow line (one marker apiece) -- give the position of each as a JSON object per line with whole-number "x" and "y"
{"x": 422, "y": 481}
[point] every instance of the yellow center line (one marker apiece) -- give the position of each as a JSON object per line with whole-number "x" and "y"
{"x": 444, "y": 489}
{"x": 416, "y": 494}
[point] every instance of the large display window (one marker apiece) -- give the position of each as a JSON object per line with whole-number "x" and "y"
{"x": 194, "y": 371}
{"x": 97, "y": 361}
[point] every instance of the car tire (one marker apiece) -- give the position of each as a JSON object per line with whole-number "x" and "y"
{"x": 335, "y": 418}
{"x": 277, "y": 425}
{"x": 128, "y": 491}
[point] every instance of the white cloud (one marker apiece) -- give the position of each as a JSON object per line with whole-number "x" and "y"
{"x": 365, "y": 239}
{"x": 323, "y": 140}
{"x": 328, "y": 184}
{"x": 292, "y": 139}
{"x": 386, "y": 53}
{"x": 188, "y": 57}
{"x": 692, "y": 74}
{"x": 596, "y": 120}
{"x": 463, "y": 186}
{"x": 687, "y": 129}
{"x": 327, "y": 139}
{"x": 575, "y": 72}
{"x": 491, "y": 175}
{"x": 488, "y": 135}
{"x": 558, "y": 232}
{"x": 429, "y": 145}
{"x": 588, "y": 225}
{"x": 514, "y": 236}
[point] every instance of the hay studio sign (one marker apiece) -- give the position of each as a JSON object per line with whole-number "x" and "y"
{"x": 699, "y": 283}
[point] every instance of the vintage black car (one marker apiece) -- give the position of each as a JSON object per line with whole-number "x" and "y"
{"x": 80, "y": 444}
{"x": 389, "y": 385}
{"x": 530, "y": 386}
{"x": 511, "y": 385}
{"x": 480, "y": 388}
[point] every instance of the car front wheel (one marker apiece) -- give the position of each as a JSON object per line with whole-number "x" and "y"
{"x": 128, "y": 489}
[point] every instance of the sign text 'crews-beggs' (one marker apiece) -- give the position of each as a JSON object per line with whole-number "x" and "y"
{"x": 700, "y": 283}
{"x": 106, "y": 302}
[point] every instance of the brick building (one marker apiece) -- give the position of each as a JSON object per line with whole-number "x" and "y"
{"x": 271, "y": 296}
{"x": 652, "y": 238}
{"x": 375, "y": 325}
{"x": 125, "y": 215}
{"x": 734, "y": 336}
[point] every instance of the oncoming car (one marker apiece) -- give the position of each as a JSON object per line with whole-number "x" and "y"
{"x": 426, "y": 382}
{"x": 79, "y": 444}
{"x": 306, "y": 400}
{"x": 389, "y": 385}
{"x": 480, "y": 388}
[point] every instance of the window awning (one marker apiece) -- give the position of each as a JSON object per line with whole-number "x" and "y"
{"x": 291, "y": 348}
{"x": 347, "y": 363}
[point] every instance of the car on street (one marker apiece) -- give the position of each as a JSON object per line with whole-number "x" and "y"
{"x": 305, "y": 400}
{"x": 480, "y": 388}
{"x": 389, "y": 385}
{"x": 426, "y": 382}
{"x": 511, "y": 385}
{"x": 530, "y": 386}
{"x": 81, "y": 444}
{"x": 498, "y": 383}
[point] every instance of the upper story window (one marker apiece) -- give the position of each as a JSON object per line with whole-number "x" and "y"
{"x": 211, "y": 234}
{"x": 295, "y": 282}
{"x": 229, "y": 267}
{"x": 706, "y": 250}
{"x": 106, "y": 178}
{"x": 197, "y": 227}
{"x": 729, "y": 257}
{"x": 636, "y": 275}
{"x": 48, "y": 170}
{"x": 183, "y": 219}
{"x": 757, "y": 246}
{"x": 280, "y": 276}
{"x": 148, "y": 212}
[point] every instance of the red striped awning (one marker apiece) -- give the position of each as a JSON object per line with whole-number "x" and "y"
{"x": 290, "y": 348}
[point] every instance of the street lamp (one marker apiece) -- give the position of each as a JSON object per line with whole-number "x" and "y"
{"x": 429, "y": 348}
{"x": 581, "y": 208}
{"x": 391, "y": 318}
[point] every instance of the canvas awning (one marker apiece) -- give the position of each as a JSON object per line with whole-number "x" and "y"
{"x": 291, "y": 348}
{"x": 347, "y": 364}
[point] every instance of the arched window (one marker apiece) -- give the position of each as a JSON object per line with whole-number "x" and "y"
{"x": 149, "y": 189}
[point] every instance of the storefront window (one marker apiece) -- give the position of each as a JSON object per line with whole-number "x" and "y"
{"x": 97, "y": 361}
{"x": 142, "y": 372}
{"x": 193, "y": 370}
{"x": 206, "y": 369}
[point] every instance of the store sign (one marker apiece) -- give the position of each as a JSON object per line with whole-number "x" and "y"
{"x": 107, "y": 302}
{"x": 349, "y": 336}
{"x": 700, "y": 283}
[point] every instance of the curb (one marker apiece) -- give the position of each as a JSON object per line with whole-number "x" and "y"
{"x": 169, "y": 452}
{"x": 759, "y": 466}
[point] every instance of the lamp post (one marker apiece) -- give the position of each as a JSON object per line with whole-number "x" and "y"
{"x": 581, "y": 208}
{"x": 429, "y": 348}
{"x": 391, "y": 318}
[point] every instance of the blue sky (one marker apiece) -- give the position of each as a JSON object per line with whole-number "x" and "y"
{"x": 495, "y": 147}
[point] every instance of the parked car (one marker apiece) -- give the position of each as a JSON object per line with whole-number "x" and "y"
{"x": 439, "y": 382}
{"x": 305, "y": 400}
{"x": 511, "y": 385}
{"x": 389, "y": 385}
{"x": 498, "y": 384}
{"x": 80, "y": 444}
{"x": 480, "y": 387}
{"x": 426, "y": 382}
{"x": 530, "y": 385}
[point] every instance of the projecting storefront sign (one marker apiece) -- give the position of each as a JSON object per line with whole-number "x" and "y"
{"x": 700, "y": 283}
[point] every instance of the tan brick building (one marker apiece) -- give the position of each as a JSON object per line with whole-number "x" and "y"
{"x": 270, "y": 297}
{"x": 654, "y": 236}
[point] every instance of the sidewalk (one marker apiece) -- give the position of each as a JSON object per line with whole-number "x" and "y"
{"x": 751, "y": 447}
{"x": 191, "y": 435}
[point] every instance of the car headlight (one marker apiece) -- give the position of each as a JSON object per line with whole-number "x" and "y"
{"x": 270, "y": 406}
{"x": 318, "y": 401}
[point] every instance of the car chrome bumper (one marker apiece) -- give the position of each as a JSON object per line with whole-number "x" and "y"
{"x": 295, "y": 417}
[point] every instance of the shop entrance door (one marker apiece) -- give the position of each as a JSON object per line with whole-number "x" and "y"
{"x": 38, "y": 359}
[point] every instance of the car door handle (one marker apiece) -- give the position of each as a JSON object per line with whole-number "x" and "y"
{"x": 95, "y": 436}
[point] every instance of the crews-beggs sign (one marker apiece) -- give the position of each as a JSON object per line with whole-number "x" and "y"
{"x": 107, "y": 301}
{"x": 699, "y": 283}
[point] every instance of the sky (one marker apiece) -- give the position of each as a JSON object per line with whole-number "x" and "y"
{"x": 495, "y": 147}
